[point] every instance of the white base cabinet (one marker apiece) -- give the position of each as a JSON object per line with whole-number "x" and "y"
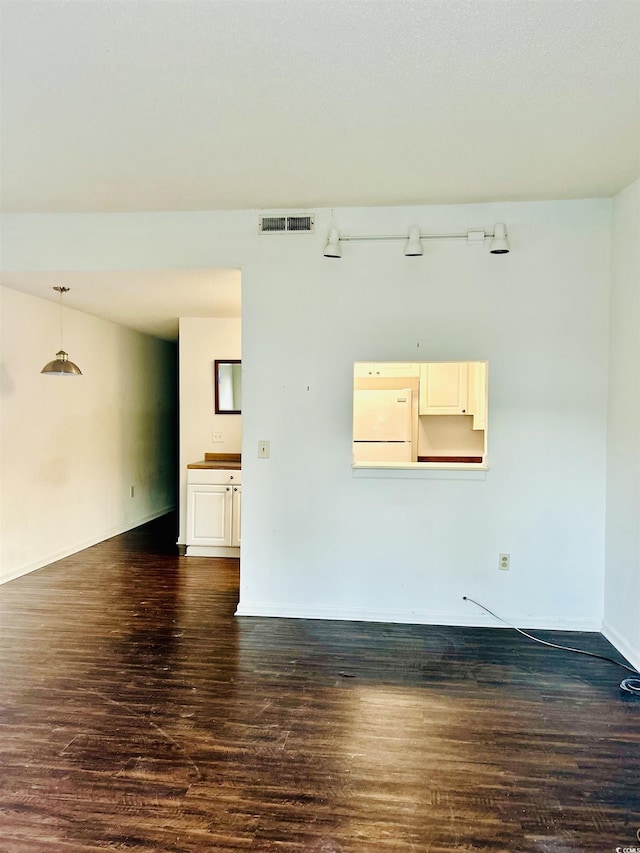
{"x": 214, "y": 499}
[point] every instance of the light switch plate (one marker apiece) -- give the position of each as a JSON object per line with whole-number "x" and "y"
{"x": 263, "y": 450}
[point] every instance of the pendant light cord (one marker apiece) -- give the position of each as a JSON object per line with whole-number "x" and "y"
{"x": 61, "y": 291}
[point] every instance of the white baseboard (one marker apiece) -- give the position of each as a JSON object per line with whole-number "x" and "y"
{"x": 53, "y": 557}
{"x": 212, "y": 551}
{"x": 412, "y": 617}
{"x": 622, "y": 645}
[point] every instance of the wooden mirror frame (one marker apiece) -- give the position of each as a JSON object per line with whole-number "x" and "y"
{"x": 216, "y": 367}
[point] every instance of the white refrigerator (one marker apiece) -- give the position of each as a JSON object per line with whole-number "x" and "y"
{"x": 382, "y": 426}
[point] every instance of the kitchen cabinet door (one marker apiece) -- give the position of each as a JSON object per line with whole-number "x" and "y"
{"x": 209, "y": 514}
{"x": 478, "y": 393}
{"x": 392, "y": 369}
{"x": 387, "y": 369}
{"x": 235, "y": 516}
{"x": 444, "y": 388}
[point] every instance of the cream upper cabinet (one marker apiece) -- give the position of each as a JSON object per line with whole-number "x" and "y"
{"x": 478, "y": 393}
{"x": 388, "y": 369}
{"x": 444, "y": 388}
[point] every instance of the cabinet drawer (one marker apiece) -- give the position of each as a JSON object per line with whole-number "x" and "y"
{"x": 213, "y": 476}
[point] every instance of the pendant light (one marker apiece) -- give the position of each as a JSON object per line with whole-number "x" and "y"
{"x": 61, "y": 366}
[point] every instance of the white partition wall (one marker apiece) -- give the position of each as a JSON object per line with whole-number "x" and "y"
{"x": 319, "y": 541}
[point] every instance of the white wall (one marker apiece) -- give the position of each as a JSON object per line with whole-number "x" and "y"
{"x": 318, "y": 540}
{"x": 71, "y": 447}
{"x": 622, "y": 578}
{"x": 202, "y": 341}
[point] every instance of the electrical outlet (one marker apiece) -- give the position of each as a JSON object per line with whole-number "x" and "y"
{"x": 504, "y": 562}
{"x": 132, "y": 491}
{"x": 216, "y": 438}
{"x": 263, "y": 450}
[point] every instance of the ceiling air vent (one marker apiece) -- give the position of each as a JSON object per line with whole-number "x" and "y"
{"x": 302, "y": 224}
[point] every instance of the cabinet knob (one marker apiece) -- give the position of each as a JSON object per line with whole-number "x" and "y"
{"x": 463, "y": 411}
{"x": 228, "y": 488}
{"x": 235, "y": 488}
{"x": 231, "y": 476}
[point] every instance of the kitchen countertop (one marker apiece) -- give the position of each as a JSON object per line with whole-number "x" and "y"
{"x": 213, "y": 461}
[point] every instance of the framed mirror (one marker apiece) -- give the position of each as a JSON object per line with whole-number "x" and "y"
{"x": 228, "y": 386}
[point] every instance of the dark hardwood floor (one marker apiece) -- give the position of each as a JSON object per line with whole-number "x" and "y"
{"x": 136, "y": 713}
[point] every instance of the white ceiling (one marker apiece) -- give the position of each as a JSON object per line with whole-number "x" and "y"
{"x": 149, "y": 301}
{"x": 138, "y": 105}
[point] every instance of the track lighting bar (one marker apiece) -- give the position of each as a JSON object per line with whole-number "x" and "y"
{"x": 413, "y": 247}
{"x": 404, "y": 237}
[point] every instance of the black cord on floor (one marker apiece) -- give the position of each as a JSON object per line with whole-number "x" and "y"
{"x": 630, "y": 685}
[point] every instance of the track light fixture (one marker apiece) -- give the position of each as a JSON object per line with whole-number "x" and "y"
{"x": 333, "y": 248}
{"x": 61, "y": 366}
{"x": 499, "y": 244}
{"x": 413, "y": 246}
